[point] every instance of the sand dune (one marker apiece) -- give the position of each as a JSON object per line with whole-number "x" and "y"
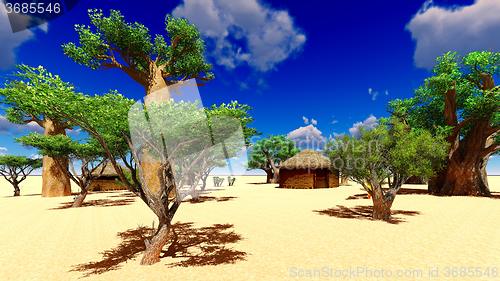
{"x": 253, "y": 232}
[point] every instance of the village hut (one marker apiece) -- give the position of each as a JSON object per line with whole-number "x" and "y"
{"x": 308, "y": 169}
{"x": 106, "y": 179}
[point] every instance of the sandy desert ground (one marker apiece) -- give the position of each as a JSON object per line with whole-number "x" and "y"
{"x": 253, "y": 231}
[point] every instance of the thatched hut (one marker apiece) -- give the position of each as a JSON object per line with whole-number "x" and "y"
{"x": 308, "y": 169}
{"x": 107, "y": 180}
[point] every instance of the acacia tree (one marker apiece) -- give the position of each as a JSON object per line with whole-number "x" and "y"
{"x": 268, "y": 154}
{"x": 111, "y": 42}
{"x": 461, "y": 99}
{"x": 223, "y": 120}
{"x": 15, "y": 169}
{"x": 27, "y": 96}
{"x": 89, "y": 155}
{"x": 390, "y": 153}
{"x": 179, "y": 126}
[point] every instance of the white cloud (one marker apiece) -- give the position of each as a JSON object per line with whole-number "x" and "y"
{"x": 3, "y": 150}
{"x": 267, "y": 36}
{"x": 7, "y": 127}
{"x": 314, "y": 121}
{"x": 308, "y": 137}
{"x": 305, "y": 119}
{"x": 11, "y": 41}
{"x": 437, "y": 30}
{"x": 368, "y": 124}
{"x": 372, "y": 93}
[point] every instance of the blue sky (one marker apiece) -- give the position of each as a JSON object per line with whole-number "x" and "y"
{"x": 330, "y": 63}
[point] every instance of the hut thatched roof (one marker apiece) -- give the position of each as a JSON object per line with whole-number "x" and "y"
{"x": 108, "y": 171}
{"x": 307, "y": 159}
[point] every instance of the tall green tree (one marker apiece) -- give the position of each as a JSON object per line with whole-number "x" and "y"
{"x": 138, "y": 137}
{"x": 15, "y": 169}
{"x": 112, "y": 42}
{"x": 27, "y": 96}
{"x": 89, "y": 156}
{"x": 462, "y": 100}
{"x": 390, "y": 153}
{"x": 268, "y": 154}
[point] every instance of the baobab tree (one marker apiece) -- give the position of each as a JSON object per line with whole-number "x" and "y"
{"x": 462, "y": 101}
{"x": 15, "y": 169}
{"x": 27, "y": 97}
{"x": 111, "y": 42}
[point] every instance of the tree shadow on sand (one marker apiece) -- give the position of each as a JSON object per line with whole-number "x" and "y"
{"x": 363, "y": 213}
{"x": 189, "y": 246}
{"x": 203, "y": 199}
{"x": 402, "y": 191}
{"x": 121, "y": 195}
{"x": 98, "y": 203}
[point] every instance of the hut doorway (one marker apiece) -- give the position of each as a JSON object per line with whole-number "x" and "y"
{"x": 321, "y": 179}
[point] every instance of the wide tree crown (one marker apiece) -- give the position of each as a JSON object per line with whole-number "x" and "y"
{"x": 33, "y": 94}
{"x": 277, "y": 148}
{"x": 111, "y": 42}
{"x": 18, "y": 162}
{"x": 471, "y": 77}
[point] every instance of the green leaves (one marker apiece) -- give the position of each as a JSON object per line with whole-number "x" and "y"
{"x": 391, "y": 150}
{"x": 62, "y": 146}
{"x": 112, "y": 42}
{"x": 18, "y": 162}
{"x": 36, "y": 94}
{"x": 276, "y": 148}
{"x": 464, "y": 75}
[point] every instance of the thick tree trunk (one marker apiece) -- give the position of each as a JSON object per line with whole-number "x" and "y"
{"x": 465, "y": 172}
{"x": 381, "y": 205}
{"x": 17, "y": 191}
{"x": 79, "y": 200}
{"x": 155, "y": 245}
{"x": 55, "y": 181}
{"x": 156, "y": 84}
{"x": 466, "y": 179}
{"x": 156, "y": 92}
{"x": 276, "y": 176}
{"x": 269, "y": 174}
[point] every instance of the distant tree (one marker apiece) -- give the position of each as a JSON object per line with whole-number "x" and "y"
{"x": 89, "y": 155}
{"x": 461, "y": 99}
{"x": 223, "y": 120}
{"x": 111, "y": 42}
{"x": 15, "y": 169}
{"x": 27, "y": 97}
{"x": 390, "y": 153}
{"x": 269, "y": 153}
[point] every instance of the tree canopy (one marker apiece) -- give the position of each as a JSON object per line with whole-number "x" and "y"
{"x": 32, "y": 92}
{"x": 391, "y": 152}
{"x": 112, "y": 42}
{"x": 15, "y": 169}
{"x": 461, "y": 101}
{"x": 268, "y": 154}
